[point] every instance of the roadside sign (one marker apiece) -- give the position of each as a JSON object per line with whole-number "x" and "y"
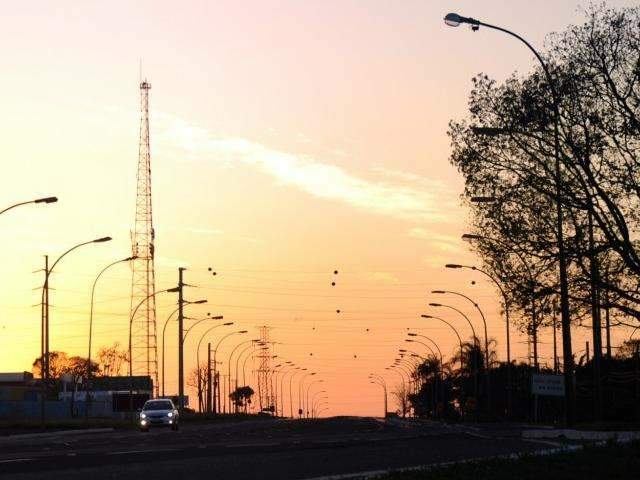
{"x": 548, "y": 385}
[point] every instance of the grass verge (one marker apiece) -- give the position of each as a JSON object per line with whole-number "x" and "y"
{"x": 611, "y": 462}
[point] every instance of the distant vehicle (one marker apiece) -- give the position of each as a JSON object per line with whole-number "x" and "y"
{"x": 159, "y": 413}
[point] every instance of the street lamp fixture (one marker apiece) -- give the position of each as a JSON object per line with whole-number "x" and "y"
{"x": 453, "y": 265}
{"x": 46, "y": 200}
{"x": 455, "y": 20}
{"x": 103, "y": 239}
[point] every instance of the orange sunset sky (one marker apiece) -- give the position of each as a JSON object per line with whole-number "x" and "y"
{"x": 289, "y": 139}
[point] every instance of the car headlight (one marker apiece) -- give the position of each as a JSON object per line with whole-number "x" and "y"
{"x": 170, "y": 414}
{"x": 143, "y": 415}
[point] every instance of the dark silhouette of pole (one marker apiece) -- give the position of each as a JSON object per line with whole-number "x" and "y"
{"x": 229, "y": 363}
{"x": 315, "y": 400}
{"x": 486, "y": 342}
{"x": 506, "y": 310}
{"x": 215, "y": 365}
{"x": 44, "y": 363}
{"x": 390, "y": 368}
{"x": 135, "y": 310}
{"x": 292, "y": 368}
{"x": 248, "y": 348}
{"x": 208, "y": 402}
{"x": 200, "y": 344}
{"x": 181, "y": 340}
{"x": 301, "y": 393}
{"x": 300, "y": 370}
{"x": 439, "y": 354}
{"x": 534, "y": 325}
{"x": 93, "y": 290}
{"x": 454, "y": 331}
{"x": 164, "y": 328}
{"x": 306, "y": 406}
{"x": 453, "y": 19}
{"x": 426, "y": 345}
{"x": 379, "y": 380}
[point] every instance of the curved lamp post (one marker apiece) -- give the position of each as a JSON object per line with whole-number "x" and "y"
{"x": 301, "y": 393}
{"x": 454, "y": 20}
{"x": 215, "y": 363}
{"x": 39, "y": 200}
{"x": 411, "y": 334}
{"x": 486, "y": 339}
{"x": 454, "y": 330}
{"x": 93, "y": 290}
{"x": 133, "y": 314}
{"x": 229, "y": 363}
{"x": 476, "y": 340}
{"x": 306, "y": 405}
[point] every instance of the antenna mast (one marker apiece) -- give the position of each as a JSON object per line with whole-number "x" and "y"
{"x": 144, "y": 351}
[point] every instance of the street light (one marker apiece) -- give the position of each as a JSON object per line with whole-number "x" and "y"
{"x": 453, "y": 20}
{"x": 45, "y": 314}
{"x": 45, "y": 297}
{"x": 411, "y": 334}
{"x": 504, "y": 296}
{"x": 316, "y": 400}
{"x": 229, "y": 363}
{"x": 298, "y": 370}
{"x": 39, "y": 200}
{"x": 454, "y": 330}
{"x": 300, "y": 392}
{"x": 291, "y": 368}
{"x": 486, "y": 336}
{"x": 484, "y": 321}
{"x": 306, "y": 405}
{"x": 215, "y": 368}
{"x": 133, "y": 314}
{"x": 93, "y": 289}
{"x": 437, "y": 305}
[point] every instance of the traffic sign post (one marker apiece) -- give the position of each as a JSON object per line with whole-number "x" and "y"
{"x": 545, "y": 385}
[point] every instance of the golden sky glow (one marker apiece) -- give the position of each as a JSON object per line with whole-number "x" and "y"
{"x": 288, "y": 139}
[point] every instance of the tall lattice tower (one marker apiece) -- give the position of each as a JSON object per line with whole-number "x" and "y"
{"x": 265, "y": 395}
{"x": 143, "y": 329}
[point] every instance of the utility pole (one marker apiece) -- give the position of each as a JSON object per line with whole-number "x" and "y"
{"x": 180, "y": 341}
{"x": 208, "y": 408}
{"x": 44, "y": 343}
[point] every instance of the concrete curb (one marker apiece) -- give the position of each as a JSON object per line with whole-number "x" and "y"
{"x": 581, "y": 435}
{"x": 59, "y": 433}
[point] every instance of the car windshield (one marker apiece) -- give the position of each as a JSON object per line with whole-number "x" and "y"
{"x": 161, "y": 405}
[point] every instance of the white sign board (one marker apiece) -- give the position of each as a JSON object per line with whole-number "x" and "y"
{"x": 550, "y": 385}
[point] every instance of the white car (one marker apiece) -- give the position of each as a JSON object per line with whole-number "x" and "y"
{"x": 158, "y": 413}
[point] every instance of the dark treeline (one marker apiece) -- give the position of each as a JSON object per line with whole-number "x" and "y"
{"x": 457, "y": 390}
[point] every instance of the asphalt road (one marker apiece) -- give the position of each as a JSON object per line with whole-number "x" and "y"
{"x": 279, "y": 450}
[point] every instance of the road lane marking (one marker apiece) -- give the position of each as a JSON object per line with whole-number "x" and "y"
{"x": 16, "y": 460}
{"x": 143, "y": 451}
